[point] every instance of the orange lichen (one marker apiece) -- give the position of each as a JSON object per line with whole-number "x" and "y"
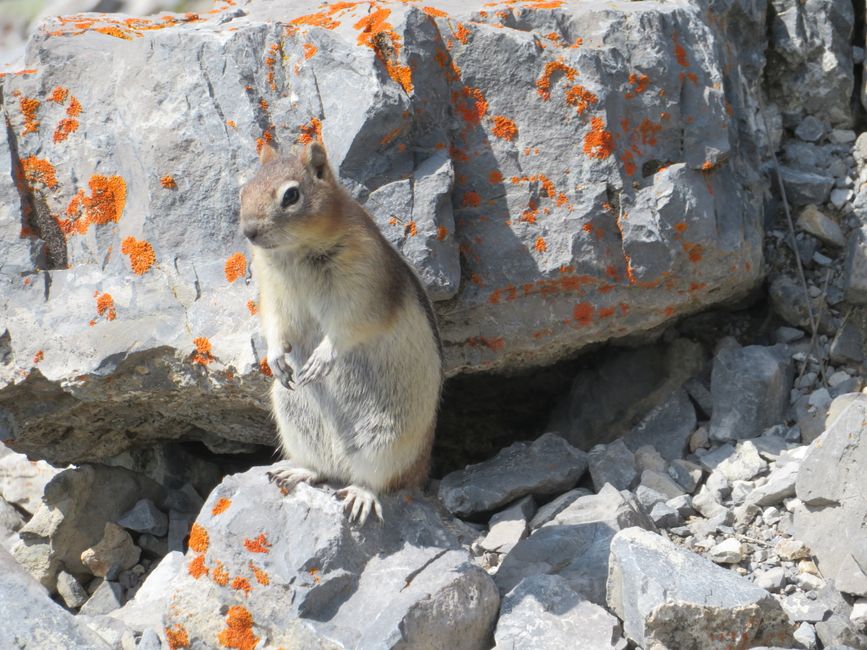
{"x": 628, "y": 163}
{"x": 251, "y": 307}
{"x": 104, "y": 205}
{"x": 373, "y": 24}
{"x": 311, "y": 131}
{"x": 64, "y": 127}
{"x": 598, "y": 143}
{"x": 241, "y": 584}
{"x": 59, "y": 95}
{"x": 442, "y": 232}
{"x": 309, "y": 50}
{"x": 504, "y": 127}
{"x": 411, "y": 229}
{"x": 543, "y": 83}
{"x": 196, "y": 567}
{"x": 581, "y": 98}
{"x": 583, "y": 313}
{"x": 680, "y": 53}
{"x": 231, "y": 123}
{"x": 38, "y": 357}
{"x": 221, "y": 506}
{"x": 265, "y": 139}
{"x": 264, "y": 368}
{"x": 219, "y": 575}
{"x": 202, "y": 355}
{"x": 74, "y": 109}
{"x": 495, "y": 177}
{"x": 177, "y": 637}
{"x": 168, "y": 182}
{"x": 258, "y": 545}
{"x": 471, "y": 199}
{"x": 141, "y": 254}
{"x": 639, "y": 83}
{"x": 648, "y": 131}
{"x": 606, "y": 312}
{"x": 540, "y": 245}
{"x": 706, "y": 166}
{"x": 694, "y": 251}
{"x": 239, "y": 630}
{"x": 29, "y": 107}
{"x": 105, "y": 306}
{"x": 235, "y": 267}
{"x": 199, "y": 536}
{"x": 462, "y": 33}
{"x": 37, "y": 170}
{"x": 261, "y": 577}
{"x": 434, "y": 12}
{"x": 474, "y": 107}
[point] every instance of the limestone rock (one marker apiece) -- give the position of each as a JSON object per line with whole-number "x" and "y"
{"x": 605, "y": 402}
{"x": 821, "y": 226}
{"x": 750, "y": 388}
{"x": 668, "y": 597}
{"x": 543, "y": 611}
{"x": 804, "y": 188}
{"x": 548, "y": 465}
{"x": 831, "y": 483}
{"x": 115, "y": 551}
{"x": 77, "y": 505}
{"x": 509, "y": 526}
{"x": 404, "y": 583}
{"x": 810, "y": 58}
{"x": 31, "y": 620}
{"x": 70, "y": 590}
{"x": 856, "y": 267}
{"x": 23, "y": 481}
{"x": 667, "y": 427}
{"x": 145, "y": 517}
{"x": 107, "y": 598}
{"x": 613, "y": 463}
{"x": 527, "y": 267}
{"x": 575, "y": 544}
{"x": 11, "y": 522}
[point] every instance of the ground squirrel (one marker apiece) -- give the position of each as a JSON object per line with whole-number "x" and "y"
{"x": 340, "y": 303}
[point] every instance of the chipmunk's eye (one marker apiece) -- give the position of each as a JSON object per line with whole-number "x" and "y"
{"x": 290, "y": 197}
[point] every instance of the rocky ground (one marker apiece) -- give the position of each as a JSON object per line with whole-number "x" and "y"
{"x": 699, "y": 485}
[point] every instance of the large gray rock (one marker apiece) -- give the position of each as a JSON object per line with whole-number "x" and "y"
{"x": 22, "y": 481}
{"x": 543, "y": 611}
{"x": 548, "y": 465}
{"x": 810, "y": 65}
{"x": 291, "y": 570}
{"x": 549, "y": 206}
{"x": 832, "y": 484}
{"x": 750, "y": 388}
{"x": 575, "y": 543}
{"x": 77, "y": 505}
{"x": 668, "y": 597}
{"x": 31, "y": 620}
{"x": 667, "y": 427}
{"x": 804, "y": 188}
{"x": 607, "y": 400}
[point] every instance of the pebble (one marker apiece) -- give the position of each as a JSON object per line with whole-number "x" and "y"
{"x": 810, "y": 129}
{"x": 839, "y": 197}
{"x": 792, "y": 549}
{"x": 773, "y": 579}
{"x": 809, "y": 582}
{"x": 842, "y": 136}
{"x": 699, "y": 439}
{"x": 805, "y": 635}
{"x": 729, "y": 551}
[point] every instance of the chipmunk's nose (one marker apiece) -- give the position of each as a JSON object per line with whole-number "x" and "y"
{"x": 251, "y": 231}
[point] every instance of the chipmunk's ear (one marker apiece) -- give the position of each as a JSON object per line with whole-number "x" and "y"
{"x": 267, "y": 154}
{"x": 316, "y": 158}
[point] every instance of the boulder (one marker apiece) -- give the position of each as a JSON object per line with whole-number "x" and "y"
{"x": 667, "y": 427}
{"x": 809, "y": 66}
{"x": 575, "y": 544}
{"x": 543, "y": 611}
{"x": 23, "y": 481}
{"x": 614, "y": 464}
{"x": 406, "y": 582}
{"x": 668, "y": 597}
{"x": 31, "y": 620}
{"x": 598, "y": 187}
{"x": 831, "y": 484}
{"x": 548, "y": 465}
{"x": 750, "y": 388}
{"x": 77, "y": 505}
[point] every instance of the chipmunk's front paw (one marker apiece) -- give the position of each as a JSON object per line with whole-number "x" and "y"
{"x": 319, "y": 364}
{"x": 358, "y": 504}
{"x": 280, "y": 368}
{"x": 287, "y": 479}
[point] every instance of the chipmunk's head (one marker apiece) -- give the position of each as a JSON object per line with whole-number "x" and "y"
{"x": 291, "y": 201}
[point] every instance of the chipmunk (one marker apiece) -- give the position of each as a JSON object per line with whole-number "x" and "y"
{"x": 338, "y": 302}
